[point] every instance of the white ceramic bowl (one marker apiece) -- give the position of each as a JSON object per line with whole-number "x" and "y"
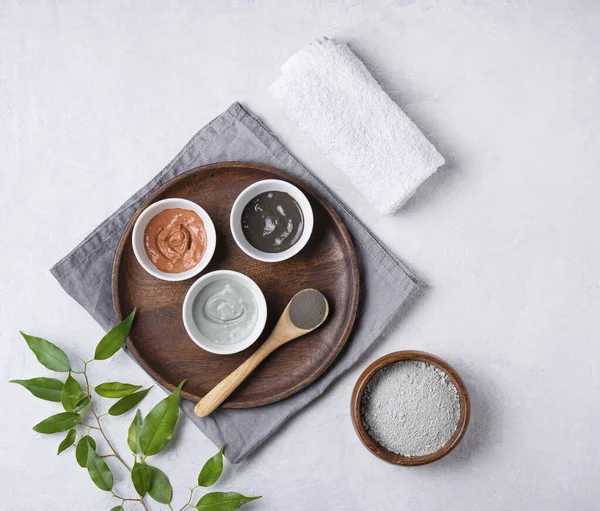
{"x": 190, "y": 324}
{"x": 269, "y": 185}
{"x": 140, "y": 227}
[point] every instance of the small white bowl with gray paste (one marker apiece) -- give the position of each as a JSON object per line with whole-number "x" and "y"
{"x": 224, "y": 312}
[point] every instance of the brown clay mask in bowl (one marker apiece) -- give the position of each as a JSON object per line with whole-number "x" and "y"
{"x": 175, "y": 240}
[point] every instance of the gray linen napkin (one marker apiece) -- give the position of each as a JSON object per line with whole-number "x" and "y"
{"x": 237, "y": 135}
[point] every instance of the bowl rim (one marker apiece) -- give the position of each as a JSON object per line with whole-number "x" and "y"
{"x": 245, "y": 196}
{"x": 261, "y": 304}
{"x": 380, "y": 451}
{"x": 148, "y": 213}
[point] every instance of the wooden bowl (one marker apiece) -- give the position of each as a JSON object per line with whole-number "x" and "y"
{"x": 380, "y": 451}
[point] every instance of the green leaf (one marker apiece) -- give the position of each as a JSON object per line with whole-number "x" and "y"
{"x": 57, "y": 423}
{"x": 114, "y": 340}
{"x": 219, "y": 501}
{"x": 49, "y": 389}
{"x": 116, "y": 389}
{"x": 158, "y": 426}
{"x": 211, "y": 471}
{"x": 81, "y": 404}
{"x": 48, "y": 354}
{"x": 71, "y": 394}
{"x": 127, "y": 403}
{"x": 160, "y": 486}
{"x": 99, "y": 471}
{"x": 68, "y": 441}
{"x": 81, "y": 451}
{"x": 141, "y": 478}
{"x": 133, "y": 434}
{"x": 118, "y": 508}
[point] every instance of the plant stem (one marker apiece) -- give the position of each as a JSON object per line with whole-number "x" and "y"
{"x": 188, "y": 503}
{"x": 99, "y": 428}
{"x": 110, "y": 446}
{"x": 122, "y": 498}
{"x": 87, "y": 425}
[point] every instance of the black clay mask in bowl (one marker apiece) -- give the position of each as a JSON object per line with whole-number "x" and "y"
{"x": 272, "y": 222}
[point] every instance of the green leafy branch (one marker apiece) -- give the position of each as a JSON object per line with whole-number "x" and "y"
{"x": 145, "y": 437}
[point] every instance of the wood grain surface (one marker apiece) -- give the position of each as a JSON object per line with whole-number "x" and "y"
{"x": 158, "y": 340}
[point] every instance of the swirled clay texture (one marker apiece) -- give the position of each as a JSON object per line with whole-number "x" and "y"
{"x": 175, "y": 240}
{"x": 225, "y": 311}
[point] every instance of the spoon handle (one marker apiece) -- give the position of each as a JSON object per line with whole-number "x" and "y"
{"x": 221, "y": 392}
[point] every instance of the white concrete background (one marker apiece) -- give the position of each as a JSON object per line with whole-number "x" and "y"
{"x": 96, "y": 97}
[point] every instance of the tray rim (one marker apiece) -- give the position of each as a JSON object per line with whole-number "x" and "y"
{"x": 341, "y": 228}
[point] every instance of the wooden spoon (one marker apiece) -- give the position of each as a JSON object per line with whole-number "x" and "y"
{"x": 306, "y": 311}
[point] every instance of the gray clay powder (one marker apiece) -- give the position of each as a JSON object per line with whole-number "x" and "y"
{"x": 410, "y": 408}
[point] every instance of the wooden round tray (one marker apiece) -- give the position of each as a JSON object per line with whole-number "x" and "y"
{"x": 158, "y": 340}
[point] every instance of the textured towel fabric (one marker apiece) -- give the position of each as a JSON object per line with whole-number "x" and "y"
{"x": 234, "y": 136}
{"x": 331, "y": 96}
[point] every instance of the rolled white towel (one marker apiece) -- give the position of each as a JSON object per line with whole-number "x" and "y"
{"x": 331, "y": 96}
